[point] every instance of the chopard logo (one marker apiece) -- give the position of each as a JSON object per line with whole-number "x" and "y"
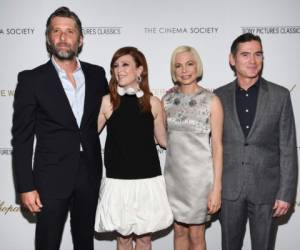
{"x": 8, "y": 208}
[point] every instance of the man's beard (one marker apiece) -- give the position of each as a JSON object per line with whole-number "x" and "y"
{"x": 63, "y": 54}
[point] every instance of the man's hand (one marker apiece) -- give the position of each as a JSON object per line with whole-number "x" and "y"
{"x": 31, "y": 200}
{"x": 280, "y": 208}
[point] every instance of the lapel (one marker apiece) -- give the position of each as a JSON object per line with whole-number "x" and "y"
{"x": 61, "y": 100}
{"x": 262, "y": 101}
{"x": 88, "y": 99}
{"x": 232, "y": 107}
{"x": 55, "y": 90}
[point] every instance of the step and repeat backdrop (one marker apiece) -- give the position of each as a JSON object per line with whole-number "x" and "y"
{"x": 156, "y": 28}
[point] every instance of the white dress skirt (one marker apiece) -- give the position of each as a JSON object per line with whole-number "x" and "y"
{"x": 133, "y": 206}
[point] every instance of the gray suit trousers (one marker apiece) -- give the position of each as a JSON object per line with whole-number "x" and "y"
{"x": 234, "y": 216}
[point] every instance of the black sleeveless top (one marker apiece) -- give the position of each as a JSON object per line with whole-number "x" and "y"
{"x": 130, "y": 151}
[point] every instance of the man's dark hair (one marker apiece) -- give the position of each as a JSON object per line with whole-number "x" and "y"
{"x": 247, "y": 37}
{"x": 63, "y": 12}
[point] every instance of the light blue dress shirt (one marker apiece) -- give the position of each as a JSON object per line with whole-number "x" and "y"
{"x": 76, "y": 94}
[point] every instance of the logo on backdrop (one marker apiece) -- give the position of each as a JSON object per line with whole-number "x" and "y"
{"x": 200, "y": 30}
{"x": 271, "y": 30}
{"x": 5, "y": 151}
{"x": 7, "y": 92}
{"x": 17, "y": 31}
{"x": 6, "y": 208}
{"x": 101, "y": 31}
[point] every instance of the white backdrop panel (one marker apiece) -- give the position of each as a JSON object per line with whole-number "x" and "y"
{"x": 156, "y": 28}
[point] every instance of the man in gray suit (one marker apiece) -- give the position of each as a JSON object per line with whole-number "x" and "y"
{"x": 260, "y": 154}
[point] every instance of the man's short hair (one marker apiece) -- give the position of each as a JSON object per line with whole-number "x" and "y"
{"x": 247, "y": 37}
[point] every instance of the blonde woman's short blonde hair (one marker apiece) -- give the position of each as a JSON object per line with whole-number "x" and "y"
{"x": 196, "y": 56}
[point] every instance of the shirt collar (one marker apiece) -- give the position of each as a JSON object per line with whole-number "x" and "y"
{"x": 254, "y": 86}
{"x": 60, "y": 70}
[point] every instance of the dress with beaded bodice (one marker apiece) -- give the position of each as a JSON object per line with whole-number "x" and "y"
{"x": 188, "y": 168}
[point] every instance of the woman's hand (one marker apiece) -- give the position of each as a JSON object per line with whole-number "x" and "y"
{"x": 214, "y": 201}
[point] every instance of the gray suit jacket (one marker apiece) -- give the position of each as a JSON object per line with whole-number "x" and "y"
{"x": 267, "y": 157}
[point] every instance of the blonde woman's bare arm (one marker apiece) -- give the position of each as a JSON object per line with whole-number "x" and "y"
{"x": 217, "y": 118}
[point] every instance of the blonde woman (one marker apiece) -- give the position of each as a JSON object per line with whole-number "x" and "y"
{"x": 194, "y": 150}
